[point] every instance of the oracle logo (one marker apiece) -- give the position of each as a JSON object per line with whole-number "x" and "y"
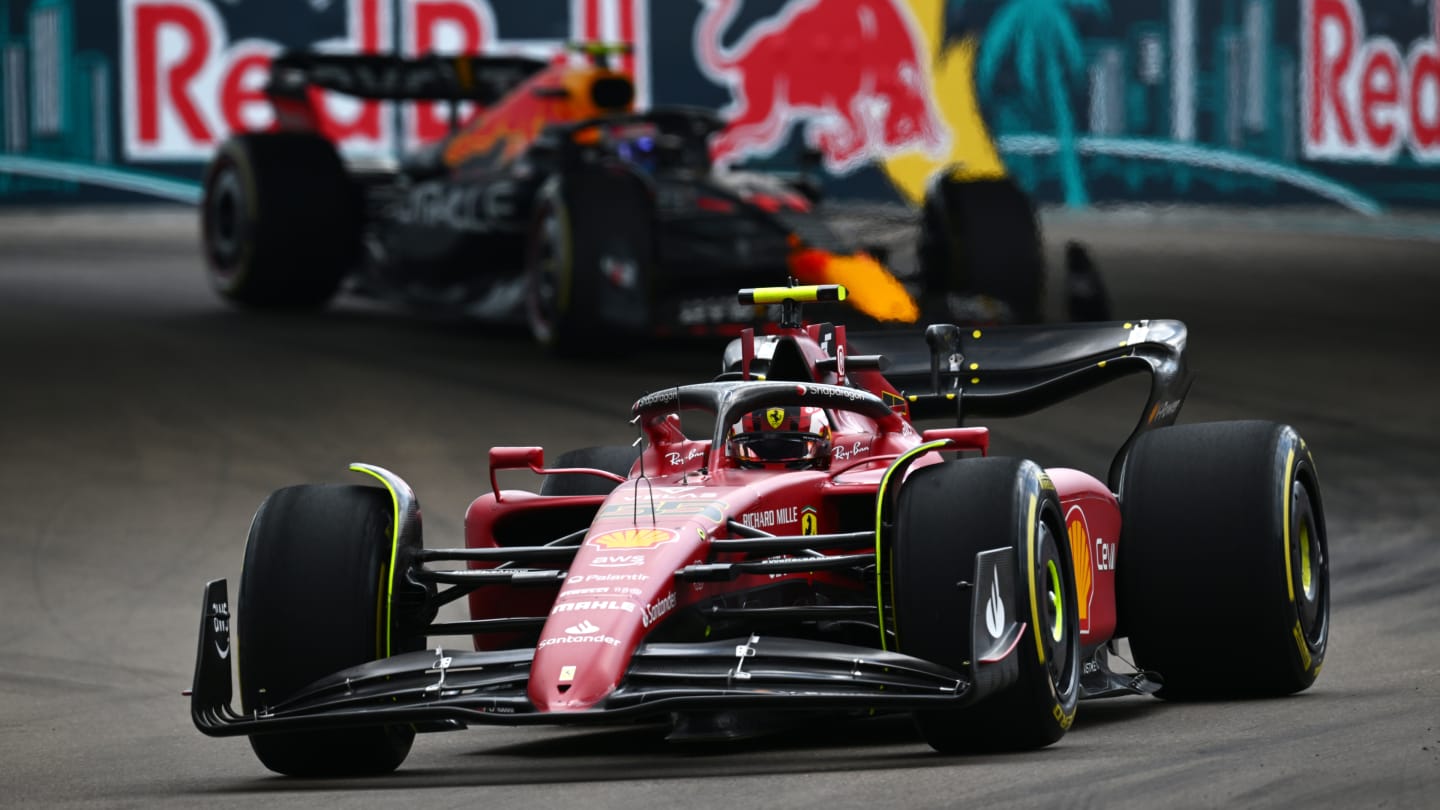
{"x": 1362, "y": 99}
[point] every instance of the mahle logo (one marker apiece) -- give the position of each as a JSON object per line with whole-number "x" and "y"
{"x": 633, "y": 538}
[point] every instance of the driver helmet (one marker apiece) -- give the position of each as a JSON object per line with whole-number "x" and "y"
{"x": 794, "y": 437}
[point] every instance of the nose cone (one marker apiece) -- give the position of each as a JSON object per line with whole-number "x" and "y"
{"x": 621, "y": 583}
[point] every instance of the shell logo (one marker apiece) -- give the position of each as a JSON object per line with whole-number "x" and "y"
{"x": 1079, "y": 532}
{"x": 633, "y": 538}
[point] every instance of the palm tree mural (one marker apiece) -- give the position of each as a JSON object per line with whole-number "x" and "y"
{"x": 1041, "y": 34}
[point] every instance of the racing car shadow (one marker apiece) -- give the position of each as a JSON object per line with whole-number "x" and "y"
{"x": 593, "y": 755}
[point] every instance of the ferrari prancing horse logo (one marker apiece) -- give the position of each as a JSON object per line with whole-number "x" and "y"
{"x": 775, "y": 416}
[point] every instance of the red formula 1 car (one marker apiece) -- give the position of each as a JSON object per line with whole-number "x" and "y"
{"x": 811, "y": 552}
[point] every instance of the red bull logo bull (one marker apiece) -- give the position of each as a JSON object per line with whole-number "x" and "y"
{"x": 854, "y": 72}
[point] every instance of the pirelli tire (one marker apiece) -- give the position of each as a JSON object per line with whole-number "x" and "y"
{"x": 313, "y": 601}
{"x": 589, "y": 258}
{"x": 945, "y": 515}
{"x": 981, "y": 250}
{"x": 281, "y": 220}
{"x": 616, "y": 459}
{"x": 1223, "y": 568}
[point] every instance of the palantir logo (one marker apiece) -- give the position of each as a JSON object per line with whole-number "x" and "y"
{"x": 853, "y": 71}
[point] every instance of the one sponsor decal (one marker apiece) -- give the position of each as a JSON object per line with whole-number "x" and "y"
{"x": 676, "y": 459}
{"x": 633, "y": 538}
{"x": 809, "y": 521}
{"x": 617, "y": 560}
{"x": 1164, "y": 410}
{"x": 608, "y": 590}
{"x": 567, "y": 673}
{"x": 220, "y": 627}
{"x": 771, "y": 517}
{"x": 185, "y": 83}
{"x": 775, "y": 416}
{"x": 995, "y": 610}
{"x": 593, "y": 604}
{"x": 1362, "y": 99}
{"x": 587, "y": 578}
{"x": 846, "y": 452}
{"x": 710, "y": 509}
{"x": 875, "y": 102}
{"x": 1078, "y": 530}
{"x": 586, "y": 632}
{"x": 657, "y": 609}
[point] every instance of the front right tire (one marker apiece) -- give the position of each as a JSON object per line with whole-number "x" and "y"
{"x": 946, "y": 514}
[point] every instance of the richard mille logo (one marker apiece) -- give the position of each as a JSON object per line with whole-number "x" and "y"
{"x": 995, "y": 610}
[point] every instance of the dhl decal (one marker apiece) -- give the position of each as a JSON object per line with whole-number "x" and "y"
{"x": 633, "y": 538}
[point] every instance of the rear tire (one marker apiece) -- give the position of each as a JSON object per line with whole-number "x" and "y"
{"x": 618, "y": 459}
{"x": 980, "y": 245}
{"x": 589, "y": 260}
{"x": 1223, "y": 571}
{"x": 948, "y": 513}
{"x": 280, "y": 220}
{"x": 312, "y": 594}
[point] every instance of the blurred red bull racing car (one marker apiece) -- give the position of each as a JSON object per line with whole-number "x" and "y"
{"x": 813, "y": 552}
{"x": 559, "y": 205}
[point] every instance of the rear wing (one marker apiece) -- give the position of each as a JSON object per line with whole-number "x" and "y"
{"x": 481, "y": 79}
{"x": 959, "y": 371}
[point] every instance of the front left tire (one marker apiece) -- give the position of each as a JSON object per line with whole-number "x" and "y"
{"x": 313, "y": 601}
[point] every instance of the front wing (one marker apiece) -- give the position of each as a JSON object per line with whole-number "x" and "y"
{"x": 446, "y": 689}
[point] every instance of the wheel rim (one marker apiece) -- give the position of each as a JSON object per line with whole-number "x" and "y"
{"x": 224, "y": 228}
{"x": 1057, "y": 601}
{"x": 1309, "y": 564}
{"x": 1054, "y": 622}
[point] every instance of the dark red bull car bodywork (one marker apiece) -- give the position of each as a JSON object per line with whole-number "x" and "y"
{"x": 550, "y": 188}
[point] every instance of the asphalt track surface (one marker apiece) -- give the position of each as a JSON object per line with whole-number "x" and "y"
{"x": 142, "y": 421}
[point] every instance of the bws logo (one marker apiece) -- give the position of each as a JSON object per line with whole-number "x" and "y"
{"x": 633, "y": 538}
{"x": 1361, "y": 98}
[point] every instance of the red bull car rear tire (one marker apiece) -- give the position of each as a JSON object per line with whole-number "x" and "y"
{"x": 1223, "y": 573}
{"x": 980, "y": 248}
{"x": 947, "y": 513}
{"x": 280, "y": 220}
{"x": 589, "y": 259}
{"x": 312, "y": 594}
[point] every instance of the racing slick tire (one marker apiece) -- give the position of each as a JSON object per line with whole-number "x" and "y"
{"x": 1223, "y": 570}
{"x": 980, "y": 245}
{"x": 312, "y": 594}
{"x": 617, "y": 459}
{"x": 280, "y": 220}
{"x": 946, "y": 514}
{"x": 588, "y": 261}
